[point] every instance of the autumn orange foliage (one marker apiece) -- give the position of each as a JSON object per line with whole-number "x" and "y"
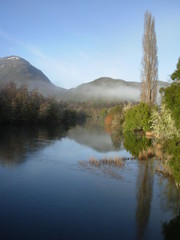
{"x": 108, "y": 123}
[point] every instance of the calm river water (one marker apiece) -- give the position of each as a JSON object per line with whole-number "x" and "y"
{"x": 49, "y": 188}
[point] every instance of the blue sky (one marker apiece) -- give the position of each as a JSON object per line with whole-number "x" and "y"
{"x": 77, "y": 41}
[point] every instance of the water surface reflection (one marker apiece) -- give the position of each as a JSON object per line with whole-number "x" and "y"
{"x": 78, "y": 184}
{"x": 144, "y": 188}
{"x": 16, "y": 143}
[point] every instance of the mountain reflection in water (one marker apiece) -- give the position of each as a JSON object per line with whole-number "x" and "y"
{"x": 94, "y": 137}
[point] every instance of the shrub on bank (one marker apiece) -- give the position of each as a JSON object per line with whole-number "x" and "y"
{"x": 162, "y": 124}
{"x": 138, "y": 117}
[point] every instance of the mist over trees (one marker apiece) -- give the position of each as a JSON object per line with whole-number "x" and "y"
{"x": 149, "y": 74}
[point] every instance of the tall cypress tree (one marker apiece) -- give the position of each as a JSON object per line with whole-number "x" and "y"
{"x": 149, "y": 74}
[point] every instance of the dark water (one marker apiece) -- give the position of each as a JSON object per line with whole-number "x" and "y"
{"x": 49, "y": 188}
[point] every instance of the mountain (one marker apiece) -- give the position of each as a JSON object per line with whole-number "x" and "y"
{"x": 107, "y": 89}
{"x": 18, "y": 70}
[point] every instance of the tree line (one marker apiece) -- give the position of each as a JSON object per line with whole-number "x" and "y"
{"x": 20, "y": 106}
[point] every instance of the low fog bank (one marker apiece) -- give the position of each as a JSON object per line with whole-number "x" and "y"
{"x": 103, "y": 93}
{"x": 108, "y": 90}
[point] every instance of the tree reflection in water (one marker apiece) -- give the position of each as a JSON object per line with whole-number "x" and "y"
{"x": 117, "y": 139}
{"x": 171, "y": 230}
{"x": 139, "y": 146}
{"x": 170, "y": 200}
{"x": 15, "y": 143}
{"x": 170, "y": 197}
{"x": 144, "y": 195}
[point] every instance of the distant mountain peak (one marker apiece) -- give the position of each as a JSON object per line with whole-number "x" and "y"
{"x": 18, "y": 70}
{"x": 13, "y": 58}
{"x": 106, "y": 79}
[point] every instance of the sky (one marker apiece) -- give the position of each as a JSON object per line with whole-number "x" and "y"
{"x": 78, "y": 41}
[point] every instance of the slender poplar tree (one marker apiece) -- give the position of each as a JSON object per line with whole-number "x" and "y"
{"x": 149, "y": 74}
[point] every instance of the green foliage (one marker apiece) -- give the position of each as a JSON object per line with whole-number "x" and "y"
{"x": 135, "y": 143}
{"x": 138, "y": 117}
{"x": 175, "y": 76}
{"x": 166, "y": 124}
{"x": 172, "y": 150}
{"x": 171, "y": 98}
{"x": 163, "y": 124}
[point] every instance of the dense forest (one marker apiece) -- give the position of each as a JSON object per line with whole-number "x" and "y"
{"x": 19, "y": 106}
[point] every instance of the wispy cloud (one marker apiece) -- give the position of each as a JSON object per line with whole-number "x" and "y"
{"x": 7, "y": 36}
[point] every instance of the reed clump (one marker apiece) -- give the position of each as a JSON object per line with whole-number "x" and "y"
{"x": 146, "y": 154}
{"x": 109, "y": 161}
